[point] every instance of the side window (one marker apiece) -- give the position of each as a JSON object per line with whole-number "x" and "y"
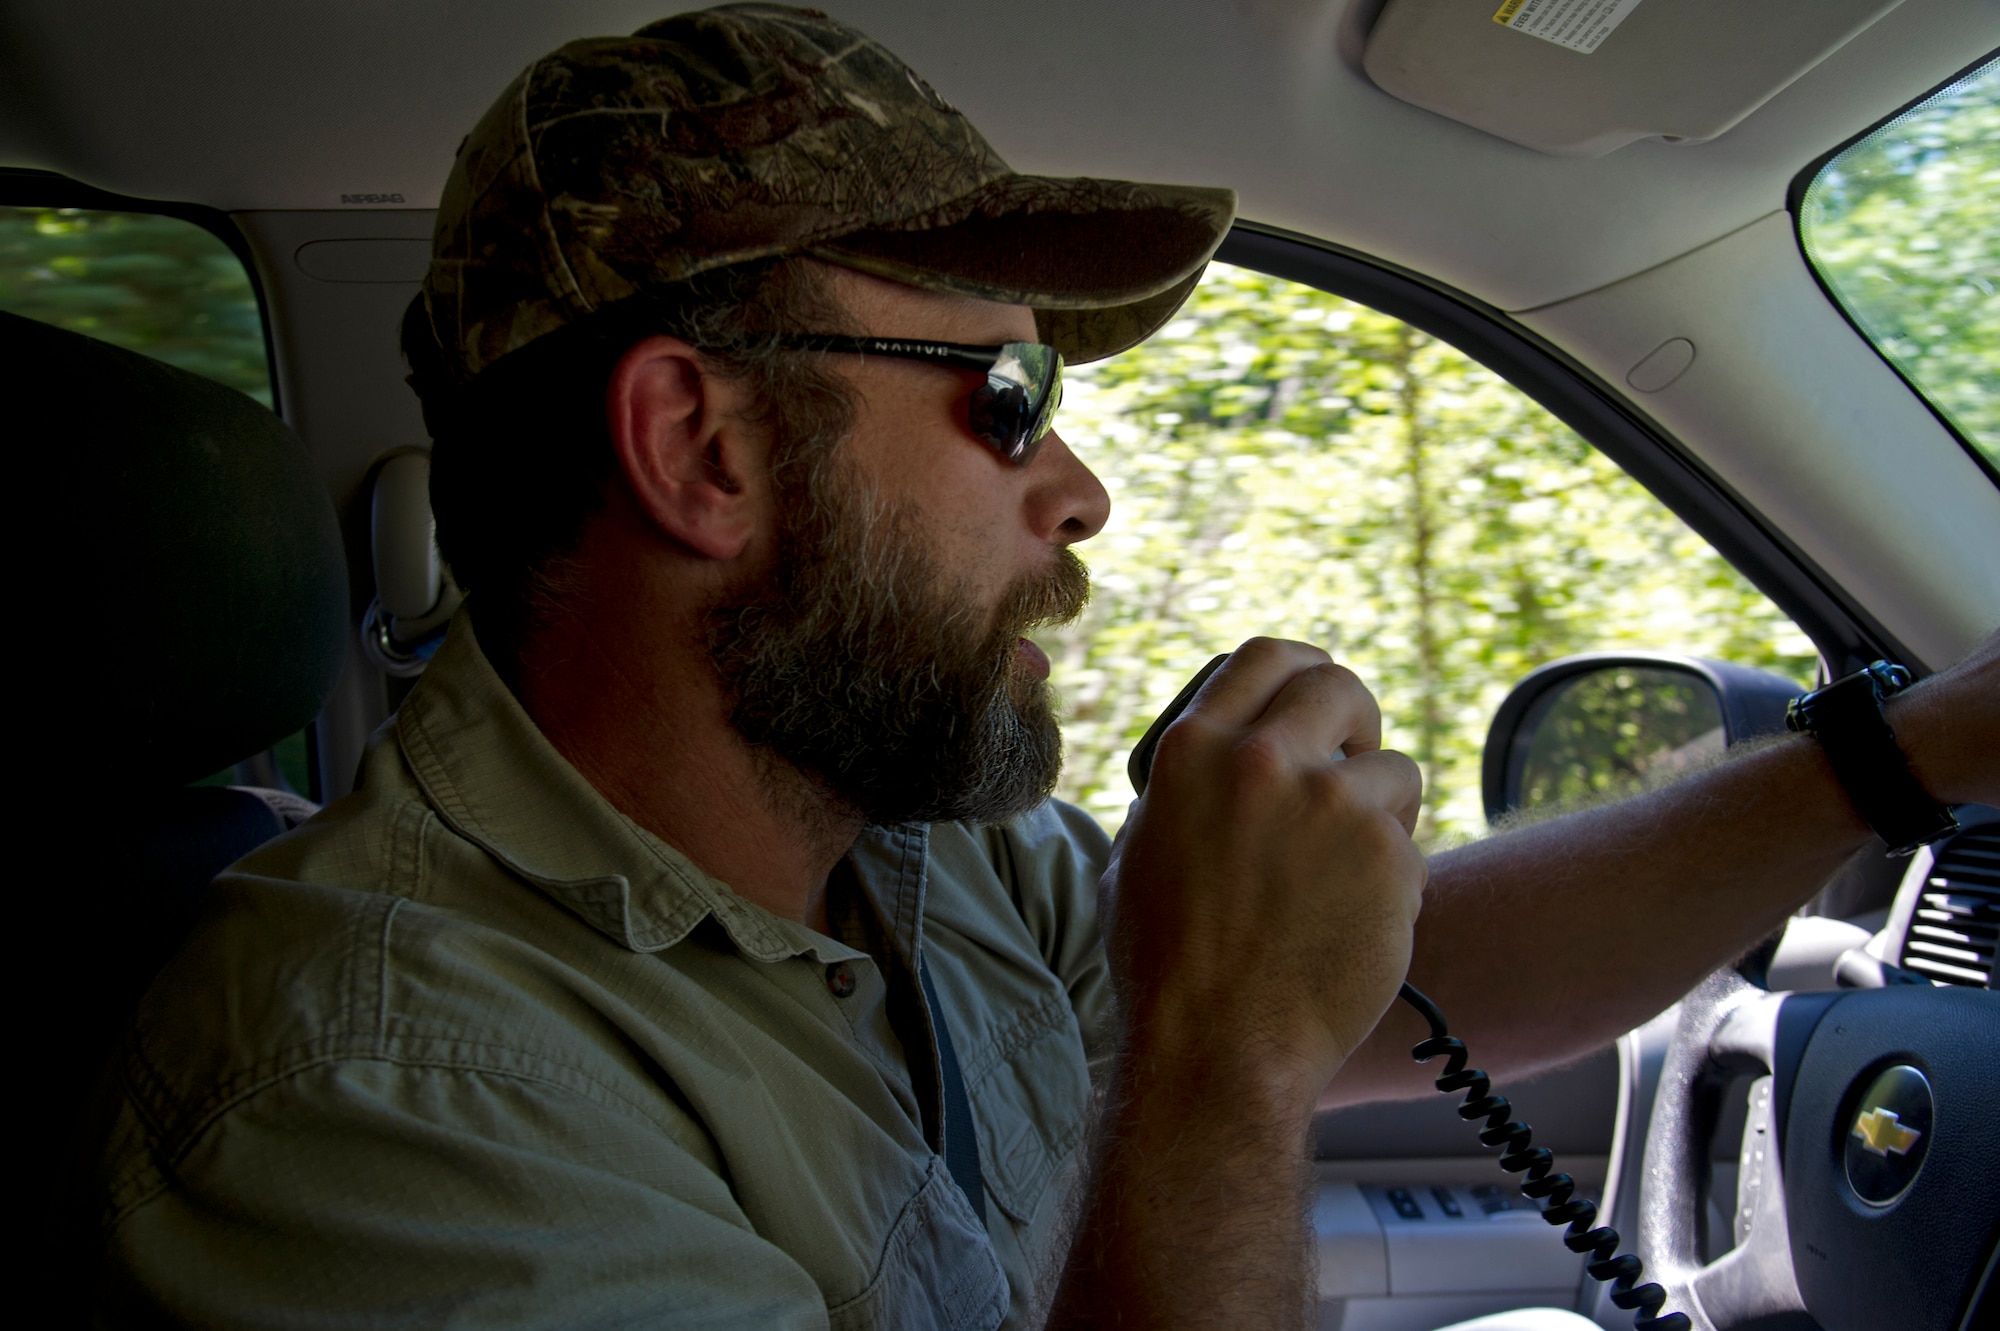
{"x": 1283, "y": 461}
{"x": 159, "y": 285}
{"x": 1904, "y": 229}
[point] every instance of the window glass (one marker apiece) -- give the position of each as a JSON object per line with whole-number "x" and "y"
{"x": 1904, "y": 228}
{"x": 1282, "y": 461}
{"x": 158, "y": 285}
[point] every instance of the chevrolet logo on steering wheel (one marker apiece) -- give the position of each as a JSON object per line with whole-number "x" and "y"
{"x": 1890, "y": 1135}
{"x": 1881, "y": 1132}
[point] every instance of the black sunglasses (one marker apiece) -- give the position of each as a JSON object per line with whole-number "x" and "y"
{"x": 1010, "y": 413}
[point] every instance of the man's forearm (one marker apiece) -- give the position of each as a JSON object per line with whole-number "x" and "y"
{"x": 1549, "y": 940}
{"x": 1195, "y": 1214}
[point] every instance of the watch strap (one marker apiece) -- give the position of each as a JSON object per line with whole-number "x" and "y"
{"x": 1846, "y": 717}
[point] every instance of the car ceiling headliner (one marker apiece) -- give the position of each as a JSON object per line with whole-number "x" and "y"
{"x": 278, "y": 104}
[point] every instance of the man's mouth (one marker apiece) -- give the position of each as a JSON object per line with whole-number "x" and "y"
{"x": 1031, "y": 659}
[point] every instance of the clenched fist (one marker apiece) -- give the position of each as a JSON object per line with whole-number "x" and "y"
{"x": 1260, "y": 900}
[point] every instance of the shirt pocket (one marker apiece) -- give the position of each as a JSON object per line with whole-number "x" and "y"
{"x": 938, "y": 1269}
{"x": 1031, "y": 1103}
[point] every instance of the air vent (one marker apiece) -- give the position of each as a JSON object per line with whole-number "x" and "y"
{"x": 1955, "y": 931}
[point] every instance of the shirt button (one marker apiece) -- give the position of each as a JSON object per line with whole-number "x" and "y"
{"x": 840, "y": 979}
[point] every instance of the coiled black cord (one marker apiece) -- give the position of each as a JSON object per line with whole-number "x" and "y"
{"x": 1622, "y": 1273}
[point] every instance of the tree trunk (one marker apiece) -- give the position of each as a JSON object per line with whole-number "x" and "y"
{"x": 1430, "y": 669}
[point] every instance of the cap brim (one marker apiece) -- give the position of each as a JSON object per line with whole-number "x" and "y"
{"x": 1103, "y": 263}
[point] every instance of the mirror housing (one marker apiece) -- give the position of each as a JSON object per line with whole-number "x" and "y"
{"x": 1609, "y": 719}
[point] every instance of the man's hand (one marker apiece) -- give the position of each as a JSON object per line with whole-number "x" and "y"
{"x": 1259, "y": 909}
{"x": 1262, "y": 897}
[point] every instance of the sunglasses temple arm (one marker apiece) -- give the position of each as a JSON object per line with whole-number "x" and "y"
{"x": 956, "y": 356}
{"x": 982, "y": 360}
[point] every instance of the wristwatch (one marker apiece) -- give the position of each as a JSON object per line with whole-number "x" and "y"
{"x": 1846, "y": 717}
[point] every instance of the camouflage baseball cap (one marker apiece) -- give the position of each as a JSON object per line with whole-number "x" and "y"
{"x": 749, "y": 131}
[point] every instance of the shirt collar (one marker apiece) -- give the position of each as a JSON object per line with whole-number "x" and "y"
{"x": 892, "y": 866}
{"x": 495, "y": 779}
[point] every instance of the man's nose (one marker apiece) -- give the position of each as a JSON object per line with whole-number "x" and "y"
{"x": 1067, "y": 503}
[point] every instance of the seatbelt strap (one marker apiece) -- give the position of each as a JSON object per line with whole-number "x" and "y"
{"x": 961, "y": 1141}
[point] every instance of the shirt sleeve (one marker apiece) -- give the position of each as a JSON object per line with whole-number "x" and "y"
{"x": 366, "y": 1193}
{"x": 1055, "y": 855}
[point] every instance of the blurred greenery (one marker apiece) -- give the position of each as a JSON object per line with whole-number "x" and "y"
{"x": 1905, "y": 228}
{"x": 1615, "y": 731}
{"x": 1282, "y": 461}
{"x": 158, "y": 285}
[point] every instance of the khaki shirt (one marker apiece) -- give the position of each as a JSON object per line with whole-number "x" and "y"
{"x": 473, "y": 1048}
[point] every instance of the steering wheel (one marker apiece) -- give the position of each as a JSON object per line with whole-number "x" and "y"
{"x": 1869, "y": 1193}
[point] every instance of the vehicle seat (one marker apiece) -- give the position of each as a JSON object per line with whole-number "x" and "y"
{"x": 193, "y": 581}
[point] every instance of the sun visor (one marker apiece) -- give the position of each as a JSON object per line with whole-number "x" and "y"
{"x": 1578, "y": 78}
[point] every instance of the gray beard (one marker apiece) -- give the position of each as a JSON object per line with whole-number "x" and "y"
{"x": 863, "y": 668}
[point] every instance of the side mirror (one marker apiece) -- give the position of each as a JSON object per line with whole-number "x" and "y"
{"x": 1605, "y": 724}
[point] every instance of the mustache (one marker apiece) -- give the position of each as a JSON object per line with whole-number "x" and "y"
{"x": 1046, "y": 600}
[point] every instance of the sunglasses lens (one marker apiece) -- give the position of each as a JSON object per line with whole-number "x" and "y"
{"x": 1017, "y": 404}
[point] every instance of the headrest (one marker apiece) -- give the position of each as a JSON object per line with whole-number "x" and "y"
{"x": 210, "y": 609}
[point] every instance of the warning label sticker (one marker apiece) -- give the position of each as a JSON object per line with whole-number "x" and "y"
{"x": 1579, "y": 25}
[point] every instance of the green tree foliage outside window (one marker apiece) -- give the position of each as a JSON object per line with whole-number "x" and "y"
{"x": 1282, "y": 461}
{"x": 1905, "y": 228}
{"x": 158, "y": 285}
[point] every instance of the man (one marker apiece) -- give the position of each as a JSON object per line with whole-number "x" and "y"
{"x": 701, "y": 948}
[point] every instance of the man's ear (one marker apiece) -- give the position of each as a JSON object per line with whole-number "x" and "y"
{"x": 685, "y": 458}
